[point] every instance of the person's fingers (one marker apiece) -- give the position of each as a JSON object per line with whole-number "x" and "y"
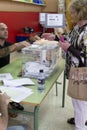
{"x": 4, "y": 98}
{"x": 6, "y": 95}
{"x": 61, "y": 44}
{"x": 64, "y": 45}
{"x": 24, "y": 43}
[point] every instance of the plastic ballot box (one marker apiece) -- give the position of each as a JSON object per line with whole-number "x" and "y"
{"x": 40, "y": 55}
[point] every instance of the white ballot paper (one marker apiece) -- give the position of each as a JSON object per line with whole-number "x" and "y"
{"x": 17, "y": 94}
{"x": 18, "y": 82}
{"x": 4, "y": 76}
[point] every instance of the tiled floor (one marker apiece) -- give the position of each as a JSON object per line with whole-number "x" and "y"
{"x": 51, "y": 114}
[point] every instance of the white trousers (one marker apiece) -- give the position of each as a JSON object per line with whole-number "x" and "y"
{"x": 80, "y": 112}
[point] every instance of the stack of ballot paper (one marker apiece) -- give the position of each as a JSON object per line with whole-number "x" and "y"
{"x": 14, "y": 88}
{"x": 5, "y": 76}
{"x": 17, "y": 94}
{"x": 18, "y": 82}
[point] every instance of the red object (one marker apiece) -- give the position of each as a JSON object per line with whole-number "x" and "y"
{"x": 18, "y": 20}
{"x": 23, "y": 34}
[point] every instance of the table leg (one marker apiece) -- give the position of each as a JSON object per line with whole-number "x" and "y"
{"x": 57, "y": 88}
{"x": 36, "y": 117}
{"x": 64, "y": 85}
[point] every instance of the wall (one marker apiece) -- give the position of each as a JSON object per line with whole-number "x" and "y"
{"x": 18, "y": 15}
{"x": 17, "y": 20}
{"x": 8, "y": 5}
{"x": 51, "y": 6}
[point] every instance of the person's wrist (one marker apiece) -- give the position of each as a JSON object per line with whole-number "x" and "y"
{"x": 6, "y": 49}
{"x": 70, "y": 48}
{"x": 4, "y": 105}
{"x": 12, "y": 48}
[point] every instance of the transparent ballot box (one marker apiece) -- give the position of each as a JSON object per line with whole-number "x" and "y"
{"x": 39, "y": 56}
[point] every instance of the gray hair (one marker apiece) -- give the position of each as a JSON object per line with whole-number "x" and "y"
{"x": 80, "y": 7}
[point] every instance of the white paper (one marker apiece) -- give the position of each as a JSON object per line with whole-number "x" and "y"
{"x": 42, "y": 18}
{"x": 18, "y": 82}
{"x": 55, "y": 19}
{"x": 4, "y": 76}
{"x": 17, "y": 94}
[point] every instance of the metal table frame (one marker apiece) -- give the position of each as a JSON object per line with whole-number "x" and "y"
{"x": 16, "y": 65}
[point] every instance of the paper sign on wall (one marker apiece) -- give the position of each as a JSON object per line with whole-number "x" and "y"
{"x": 55, "y": 20}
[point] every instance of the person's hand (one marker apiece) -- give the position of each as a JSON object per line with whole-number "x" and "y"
{"x": 64, "y": 45}
{"x": 19, "y": 46}
{"x": 4, "y": 99}
{"x": 37, "y": 37}
{"x": 23, "y": 44}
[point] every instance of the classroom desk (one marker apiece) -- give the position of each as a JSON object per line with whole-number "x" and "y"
{"x": 36, "y": 98}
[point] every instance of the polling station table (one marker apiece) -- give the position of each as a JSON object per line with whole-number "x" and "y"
{"x": 36, "y": 98}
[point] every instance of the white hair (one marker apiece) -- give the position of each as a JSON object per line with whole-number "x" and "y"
{"x": 58, "y": 31}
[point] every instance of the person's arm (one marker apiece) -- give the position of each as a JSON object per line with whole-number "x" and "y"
{"x": 74, "y": 51}
{"x": 64, "y": 45}
{"x": 4, "y": 100}
{"x": 18, "y": 46}
{"x": 37, "y": 37}
{"x": 77, "y": 54}
{"x": 14, "y": 47}
{"x": 67, "y": 47}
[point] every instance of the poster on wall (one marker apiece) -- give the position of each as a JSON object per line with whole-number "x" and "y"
{"x": 55, "y": 20}
{"x": 42, "y": 18}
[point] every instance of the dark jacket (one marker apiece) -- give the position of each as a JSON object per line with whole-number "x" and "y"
{"x": 6, "y": 59}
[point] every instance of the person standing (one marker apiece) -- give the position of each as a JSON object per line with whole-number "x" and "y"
{"x": 75, "y": 50}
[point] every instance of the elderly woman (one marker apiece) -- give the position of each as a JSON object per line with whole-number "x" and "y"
{"x": 76, "y": 47}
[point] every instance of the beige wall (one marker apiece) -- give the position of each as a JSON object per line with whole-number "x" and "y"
{"x": 70, "y": 24}
{"x": 8, "y": 5}
{"x": 52, "y": 6}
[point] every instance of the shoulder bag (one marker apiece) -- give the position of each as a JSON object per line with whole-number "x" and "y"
{"x": 77, "y": 86}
